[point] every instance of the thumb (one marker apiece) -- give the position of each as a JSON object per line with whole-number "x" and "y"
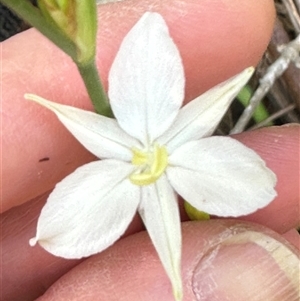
{"x": 222, "y": 260}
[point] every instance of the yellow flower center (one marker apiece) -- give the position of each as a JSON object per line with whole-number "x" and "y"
{"x": 152, "y": 164}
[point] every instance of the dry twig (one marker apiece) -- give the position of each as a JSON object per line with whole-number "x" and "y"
{"x": 288, "y": 60}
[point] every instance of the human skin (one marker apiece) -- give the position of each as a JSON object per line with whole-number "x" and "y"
{"x": 211, "y": 53}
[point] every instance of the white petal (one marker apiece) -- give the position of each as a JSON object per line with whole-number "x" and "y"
{"x": 160, "y": 213}
{"x": 88, "y": 210}
{"x": 101, "y": 135}
{"x": 200, "y": 117}
{"x": 221, "y": 176}
{"x": 146, "y": 80}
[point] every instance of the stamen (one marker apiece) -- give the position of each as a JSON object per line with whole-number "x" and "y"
{"x": 153, "y": 164}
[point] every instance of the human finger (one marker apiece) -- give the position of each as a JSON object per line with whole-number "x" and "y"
{"x": 279, "y": 147}
{"x": 221, "y": 260}
{"x": 293, "y": 237}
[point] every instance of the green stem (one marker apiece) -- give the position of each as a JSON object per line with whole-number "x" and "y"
{"x": 33, "y": 16}
{"x": 90, "y": 76}
{"x": 260, "y": 112}
{"x": 88, "y": 71}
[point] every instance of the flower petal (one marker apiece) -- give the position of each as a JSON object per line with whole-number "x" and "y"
{"x": 101, "y": 135}
{"x": 200, "y": 117}
{"x": 221, "y": 176}
{"x": 146, "y": 80}
{"x": 88, "y": 210}
{"x": 160, "y": 213}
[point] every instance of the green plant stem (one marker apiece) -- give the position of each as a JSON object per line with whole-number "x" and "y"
{"x": 260, "y": 112}
{"x": 88, "y": 71}
{"x": 90, "y": 76}
{"x": 33, "y": 16}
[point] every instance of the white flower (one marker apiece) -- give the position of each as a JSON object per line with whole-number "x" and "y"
{"x": 153, "y": 151}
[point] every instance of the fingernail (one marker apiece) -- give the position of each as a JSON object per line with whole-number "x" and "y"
{"x": 248, "y": 266}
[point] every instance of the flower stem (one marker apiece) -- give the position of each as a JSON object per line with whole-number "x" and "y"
{"x": 33, "y": 16}
{"x": 90, "y": 76}
{"x": 88, "y": 70}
